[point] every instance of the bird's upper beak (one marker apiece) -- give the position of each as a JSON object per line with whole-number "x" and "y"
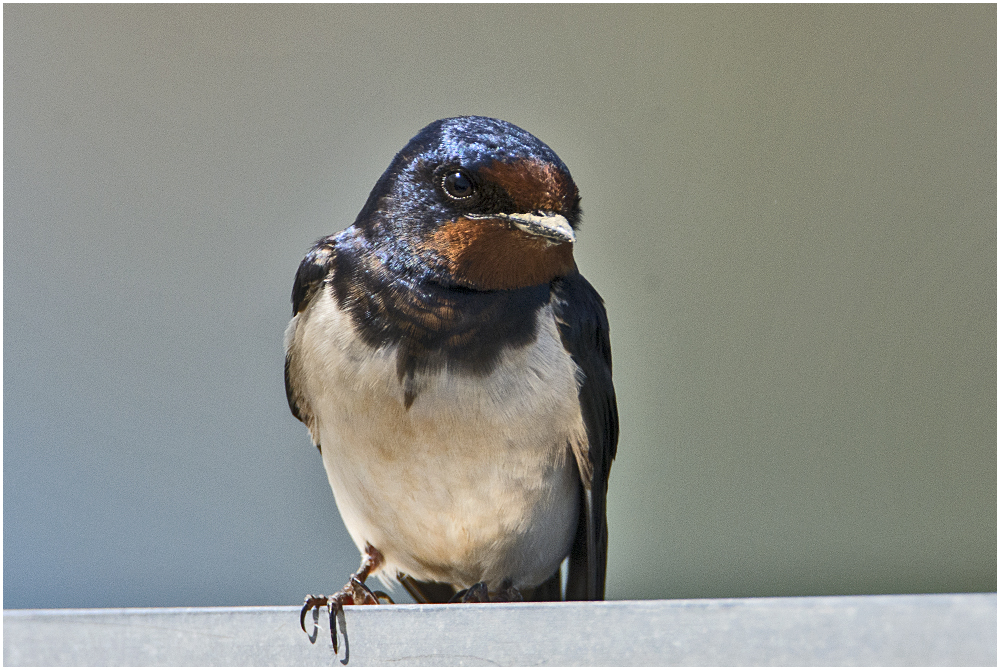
{"x": 553, "y": 227}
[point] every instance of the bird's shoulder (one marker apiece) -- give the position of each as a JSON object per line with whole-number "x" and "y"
{"x": 316, "y": 268}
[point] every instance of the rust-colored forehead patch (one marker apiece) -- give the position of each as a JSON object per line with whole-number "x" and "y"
{"x": 533, "y": 184}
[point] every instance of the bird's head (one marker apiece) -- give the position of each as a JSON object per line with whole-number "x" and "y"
{"x": 474, "y": 202}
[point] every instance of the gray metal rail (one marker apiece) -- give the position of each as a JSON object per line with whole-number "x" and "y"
{"x": 925, "y": 630}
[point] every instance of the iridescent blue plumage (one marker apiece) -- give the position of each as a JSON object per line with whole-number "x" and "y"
{"x": 401, "y": 197}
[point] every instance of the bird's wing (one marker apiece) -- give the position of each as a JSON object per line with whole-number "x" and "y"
{"x": 312, "y": 273}
{"x": 583, "y": 326}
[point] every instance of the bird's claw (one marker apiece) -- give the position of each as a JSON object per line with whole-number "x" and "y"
{"x": 334, "y": 605}
{"x": 355, "y": 592}
{"x": 383, "y": 598}
{"x": 507, "y": 593}
{"x": 478, "y": 593}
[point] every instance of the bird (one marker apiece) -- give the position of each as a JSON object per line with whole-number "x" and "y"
{"x": 453, "y": 367}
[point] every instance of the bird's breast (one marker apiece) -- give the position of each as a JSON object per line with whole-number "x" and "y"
{"x": 475, "y": 480}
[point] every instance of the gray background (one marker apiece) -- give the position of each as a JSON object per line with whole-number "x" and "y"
{"x": 790, "y": 211}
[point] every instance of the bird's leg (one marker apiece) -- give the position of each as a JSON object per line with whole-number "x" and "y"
{"x": 355, "y": 592}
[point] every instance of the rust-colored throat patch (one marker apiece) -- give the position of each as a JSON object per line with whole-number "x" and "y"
{"x": 492, "y": 254}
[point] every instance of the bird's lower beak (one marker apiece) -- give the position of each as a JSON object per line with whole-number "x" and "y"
{"x": 552, "y": 227}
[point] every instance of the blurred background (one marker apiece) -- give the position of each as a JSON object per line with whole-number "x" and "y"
{"x": 789, "y": 210}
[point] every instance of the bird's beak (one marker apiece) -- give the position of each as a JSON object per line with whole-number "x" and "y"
{"x": 553, "y": 227}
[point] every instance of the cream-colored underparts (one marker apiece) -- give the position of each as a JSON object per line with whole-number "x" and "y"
{"x": 476, "y": 481}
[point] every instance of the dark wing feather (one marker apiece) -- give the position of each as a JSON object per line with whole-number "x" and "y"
{"x": 312, "y": 273}
{"x": 583, "y": 326}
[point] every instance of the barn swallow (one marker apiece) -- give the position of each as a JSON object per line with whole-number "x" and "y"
{"x": 454, "y": 369}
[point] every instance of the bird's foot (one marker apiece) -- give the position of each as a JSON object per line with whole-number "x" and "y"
{"x": 355, "y": 592}
{"x": 478, "y": 593}
{"x": 507, "y": 593}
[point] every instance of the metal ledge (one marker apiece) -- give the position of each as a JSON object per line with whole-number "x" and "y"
{"x": 921, "y": 630}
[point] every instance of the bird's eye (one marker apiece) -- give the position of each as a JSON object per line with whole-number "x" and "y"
{"x": 458, "y": 185}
